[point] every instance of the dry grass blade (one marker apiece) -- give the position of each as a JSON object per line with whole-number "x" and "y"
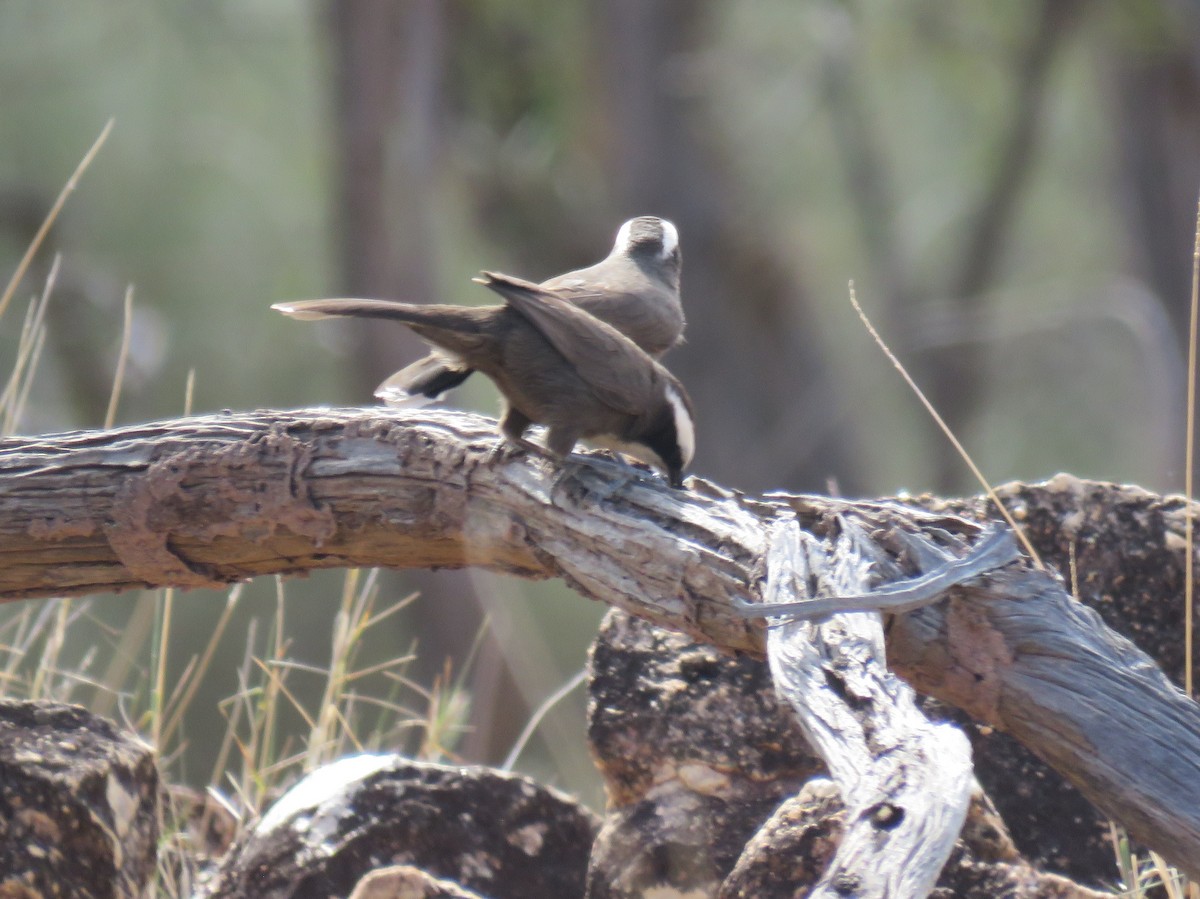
{"x": 378, "y": 667}
{"x": 274, "y": 676}
{"x": 954, "y": 441}
{"x": 18, "y": 410}
{"x": 345, "y": 626}
{"x": 27, "y": 627}
{"x": 234, "y": 716}
{"x": 177, "y": 711}
{"x": 51, "y": 652}
{"x": 1171, "y": 880}
{"x": 29, "y": 348}
{"x": 539, "y": 713}
{"x": 51, "y": 216}
{"x": 165, "y": 612}
{"x": 125, "y": 654}
{"x": 189, "y": 392}
{"x": 110, "y": 416}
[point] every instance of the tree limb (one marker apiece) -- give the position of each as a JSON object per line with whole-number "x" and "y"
{"x": 905, "y": 782}
{"x": 216, "y": 499}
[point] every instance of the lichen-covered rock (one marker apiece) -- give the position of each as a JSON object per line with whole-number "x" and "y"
{"x": 78, "y": 804}
{"x": 407, "y": 882}
{"x": 498, "y": 834}
{"x": 695, "y": 755}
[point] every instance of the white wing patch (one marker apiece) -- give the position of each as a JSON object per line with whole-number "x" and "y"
{"x": 685, "y": 428}
{"x": 394, "y": 396}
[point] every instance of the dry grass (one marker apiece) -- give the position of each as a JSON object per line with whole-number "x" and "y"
{"x": 126, "y": 671}
{"x": 1137, "y": 877}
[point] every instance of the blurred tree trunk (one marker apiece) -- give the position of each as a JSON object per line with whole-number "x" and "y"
{"x": 388, "y": 70}
{"x": 956, "y": 380}
{"x": 390, "y": 63}
{"x": 1156, "y": 95}
{"x": 770, "y": 415}
{"x": 1154, "y": 71}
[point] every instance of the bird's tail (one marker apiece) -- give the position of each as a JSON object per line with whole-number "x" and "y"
{"x": 464, "y": 319}
{"x": 423, "y": 381}
{"x": 507, "y": 285}
{"x": 456, "y": 329}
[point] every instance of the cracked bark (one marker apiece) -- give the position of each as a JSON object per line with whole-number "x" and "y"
{"x": 217, "y": 499}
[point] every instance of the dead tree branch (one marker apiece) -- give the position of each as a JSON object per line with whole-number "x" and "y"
{"x": 216, "y": 499}
{"x": 906, "y": 783}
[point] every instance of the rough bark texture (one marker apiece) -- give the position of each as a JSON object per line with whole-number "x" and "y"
{"x": 221, "y": 498}
{"x": 698, "y": 756}
{"x": 794, "y": 848}
{"x": 78, "y": 804}
{"x": 218, "y": 499}
{"x": 497, "y": 834}
{"x": 905, "y": 781}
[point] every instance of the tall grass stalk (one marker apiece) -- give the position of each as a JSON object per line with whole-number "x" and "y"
{"x": 52, "y": 216}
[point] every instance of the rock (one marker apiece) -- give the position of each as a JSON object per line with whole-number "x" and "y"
{"x": 695, "y": 754}
{"x": 498, "y": 834}
{"x": 407, "y": 882}
{"x": 78, "y": 804}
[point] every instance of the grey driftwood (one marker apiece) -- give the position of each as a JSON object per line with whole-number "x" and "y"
{"x": 216, "y": 499}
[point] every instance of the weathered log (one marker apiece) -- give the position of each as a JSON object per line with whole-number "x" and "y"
{"x": 714, "y": 791}
{"x": 217, "y": 499}
{"x": 905, "y": 782}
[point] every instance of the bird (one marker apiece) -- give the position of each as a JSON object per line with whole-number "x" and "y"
{"x": 554, "y": 365}
{"x": 635, "y": 289}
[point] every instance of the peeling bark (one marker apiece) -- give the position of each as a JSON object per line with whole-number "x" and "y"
{"x": 905, "y": 782}
{"x": 217, "y": 499}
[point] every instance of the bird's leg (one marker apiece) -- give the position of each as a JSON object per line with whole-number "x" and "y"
{"x": 559, "y": 442}
{"x": 563, "y": 441}
{"x": 625, "y": 472}
{"x": 512, "y": 437}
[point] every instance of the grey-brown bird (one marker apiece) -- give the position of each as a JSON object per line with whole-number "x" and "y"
{"x": 635, "y": 289}
{"x": 554, "y": 365}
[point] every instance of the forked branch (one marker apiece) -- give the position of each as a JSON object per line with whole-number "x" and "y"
{"x": 212, "y": 500}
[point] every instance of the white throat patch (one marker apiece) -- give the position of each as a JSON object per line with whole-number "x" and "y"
{"x": 685, "y": 428}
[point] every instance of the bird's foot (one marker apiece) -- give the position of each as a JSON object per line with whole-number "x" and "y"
{"x": 508, "y": 449}
{"x": 617, "y": 465}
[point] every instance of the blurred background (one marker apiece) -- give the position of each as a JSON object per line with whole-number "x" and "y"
{"x": 1012, "y": 187}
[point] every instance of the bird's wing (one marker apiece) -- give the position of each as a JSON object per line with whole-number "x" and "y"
{"x": 573, "y": 286}
{"x": 651, "y": 316}
{"x": 618, "y": 372}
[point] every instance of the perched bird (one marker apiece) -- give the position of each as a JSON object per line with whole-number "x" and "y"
{"x": 635, "y": 289}
{"x": 555, "y": 365}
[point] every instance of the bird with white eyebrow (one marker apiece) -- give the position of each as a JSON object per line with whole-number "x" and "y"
{"x": 556, "y": 364}
{"x": 635, "y": 289}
